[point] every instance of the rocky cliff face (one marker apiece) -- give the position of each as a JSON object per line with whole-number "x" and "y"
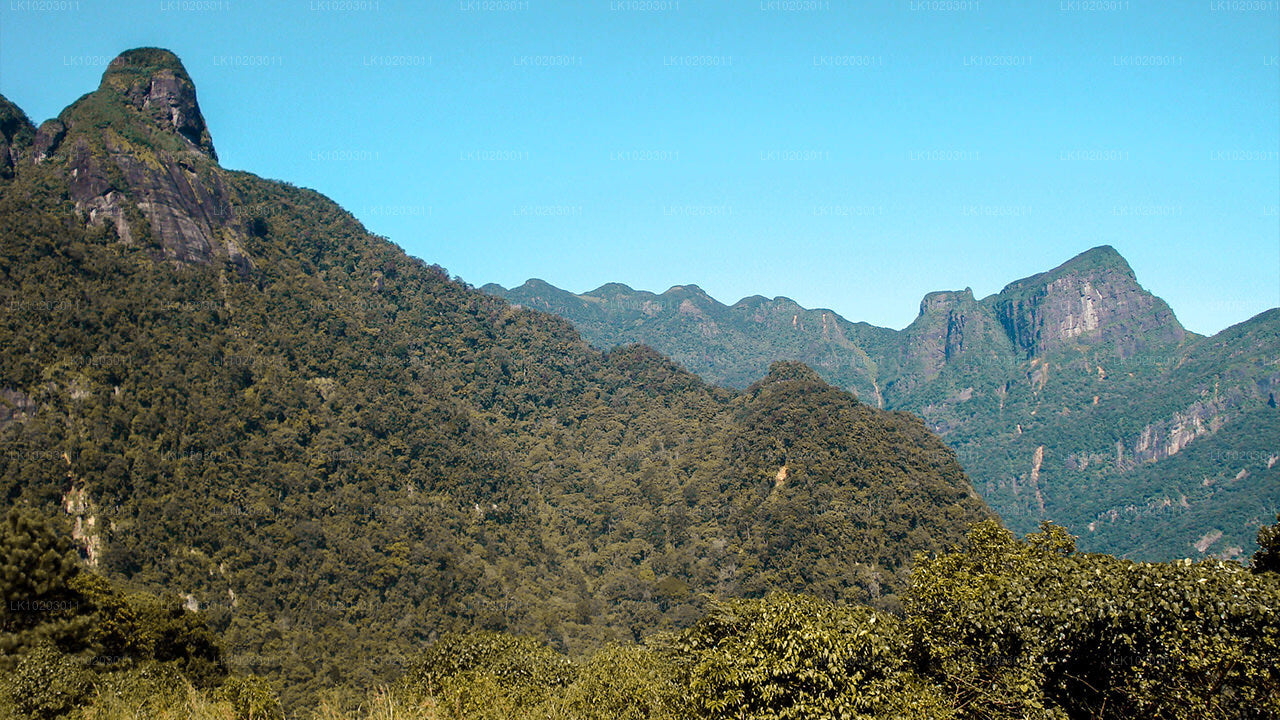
{"x": 950, "y": 324}
{"x": 1093, "y": 299}
{"x": 138, "y": 155}
{"x": 47, "y": 138}
{"x": 1167, "y": 437}
{"x": 155, "y": 85}
{"x": 942, "y": 354}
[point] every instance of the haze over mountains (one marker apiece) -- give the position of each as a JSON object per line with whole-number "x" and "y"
{"x": 1073, "y": 395}
{"x": 338, "y": 453}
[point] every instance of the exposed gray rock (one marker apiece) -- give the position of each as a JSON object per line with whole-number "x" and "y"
{"x": 154, "y": 82}
{"x": 185, "y": 205}
{"x": 171, "y": 180}
{"x": 1092, "y": 299}
{"x": 951, "y": 325}
{"x": 15, "y": 406}
{"x": 94, "y": 194}
{"x": 48, "y": 138}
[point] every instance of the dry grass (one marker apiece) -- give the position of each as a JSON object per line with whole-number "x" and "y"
{"x": 381, "y": 705}
{"x": 190, "y": 704}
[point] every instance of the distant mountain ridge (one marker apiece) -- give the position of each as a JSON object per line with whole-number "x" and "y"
{"x": 1064, "y": 394}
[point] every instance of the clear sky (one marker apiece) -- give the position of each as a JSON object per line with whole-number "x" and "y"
{"x": 848, "y": 155}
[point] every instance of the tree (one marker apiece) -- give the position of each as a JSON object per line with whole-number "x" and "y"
{"x": 1267, "y": 557}
{"x": 488, "y": 674}
{"x": 625, "y": 683}
{"x": 37, "y": 568}
{"x": 793, "y": 656}
{"x": 1031, "y": 628}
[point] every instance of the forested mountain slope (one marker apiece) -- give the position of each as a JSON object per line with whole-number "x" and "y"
{"x": 1073, "y": 395}
{"x": 337, "y": 452}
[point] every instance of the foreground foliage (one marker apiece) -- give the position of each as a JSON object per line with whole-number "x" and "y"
{"x": 999, "y": 628}
{"x": 1014, "y": 629}
{"x": 70, "y": 638}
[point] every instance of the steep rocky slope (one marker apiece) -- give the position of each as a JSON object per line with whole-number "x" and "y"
{"x": 1093, "y": 301}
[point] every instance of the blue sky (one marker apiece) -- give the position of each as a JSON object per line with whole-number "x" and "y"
{"x": 852, "y": 156}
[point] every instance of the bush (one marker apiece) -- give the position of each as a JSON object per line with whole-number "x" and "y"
{"x": 44, "y": 684}
{"x": 1031, "y": 628}
{"x": 488, "y": 674}
{"x": 793, "y": 656}
{"x": 625, "y": 683}
{"x": 251, "y": 698}
{"x": 1267, "y": 558}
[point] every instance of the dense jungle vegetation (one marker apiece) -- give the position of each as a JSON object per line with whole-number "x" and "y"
{"x": 996, "y": 627}
{"x": 1107, "y": 411}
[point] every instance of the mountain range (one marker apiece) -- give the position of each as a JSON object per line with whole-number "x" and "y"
{"x": 230, "y": 391}
{"x": 1073, "y": 395}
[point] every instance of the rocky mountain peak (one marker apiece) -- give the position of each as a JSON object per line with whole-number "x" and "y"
{"x": 951, "y": 325}
{"x": 536, "y": 285}
{"x": 138, "y": 146}
{"x": 1102, "y": 262}
{"x": 945, "y": 300}
{"x": 1093, "y": 299}
{"x": 686, "y": 292}
{"x": 153, "y": 82}
{"x": 1102, "y": 256}
{"x": 612, "y": 289}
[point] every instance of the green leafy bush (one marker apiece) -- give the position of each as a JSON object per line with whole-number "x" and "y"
{"x": 251, "y": 698}
{"x": 489, "y": 674}
{"x": 631, "y": 682}
{"x": 44, "y": 684}
{"x": 1031, "y": 628}
{"x": 792, "y": 656}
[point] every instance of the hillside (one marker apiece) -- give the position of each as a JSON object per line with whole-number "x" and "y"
{"x": 338, "y": 453}
{"x": 1073, "y": 395}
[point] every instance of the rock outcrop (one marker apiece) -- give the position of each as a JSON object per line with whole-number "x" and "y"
{"x": 186, "y": 205}
{"x": 94, "y": 192}
{"x": 942, "y": 330}
{"x": 15, "y": 406}
{"x": 154, "y": 83}
{"x": 1092, "y": 299}
{"x": 48, "y": 137}
{"x": 953, "y": 334}
{"x": 152, "y": 170}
